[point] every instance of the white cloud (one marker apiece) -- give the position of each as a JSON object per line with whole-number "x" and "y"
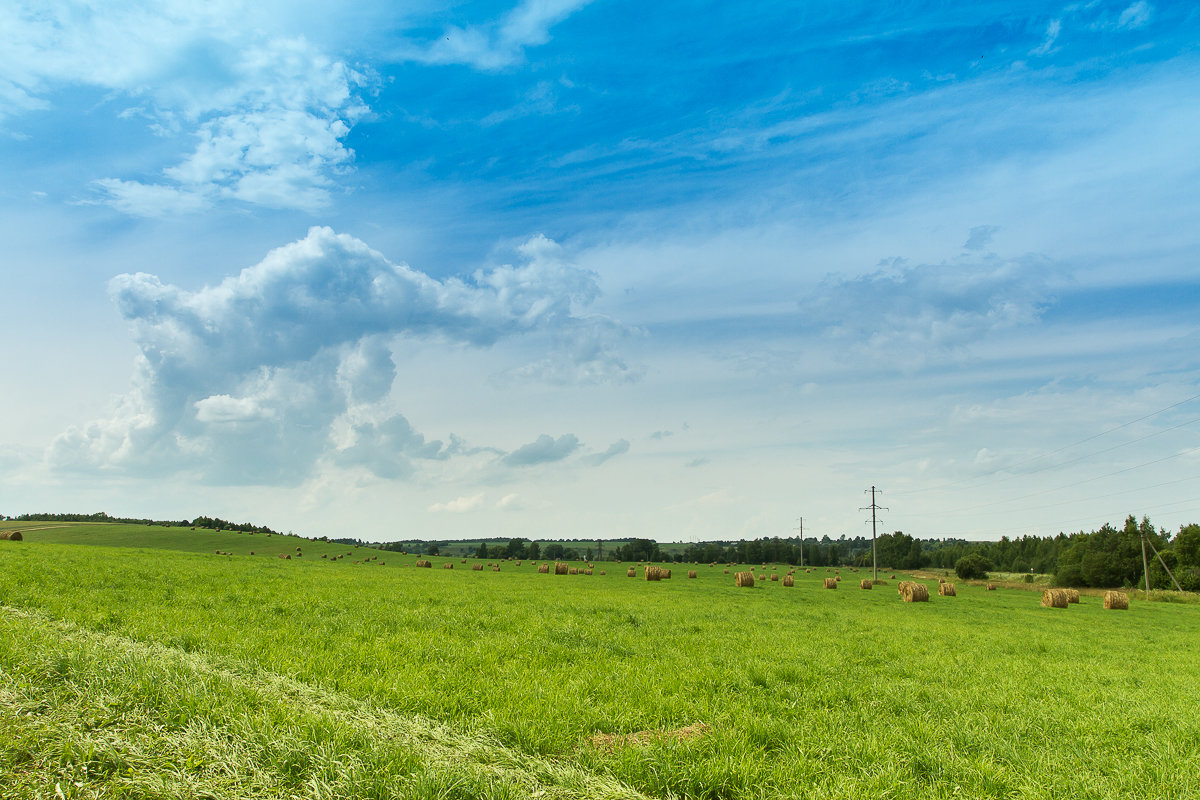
{"x": 1137, "y": 15}
{"x": 288, "y": 362}
{"x": 1053, "y": 29}
{"x": 268, "y": 113}
{"x": 544, "y": 450}
{"x": 459, "y": 505}
{"x": 502, "y": 43}
{"x": 617, "y": 448}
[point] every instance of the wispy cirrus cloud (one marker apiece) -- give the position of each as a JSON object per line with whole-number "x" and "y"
{"x": 501, "y": 43}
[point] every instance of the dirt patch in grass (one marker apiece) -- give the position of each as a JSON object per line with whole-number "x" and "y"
{"x": 611, "y": 741}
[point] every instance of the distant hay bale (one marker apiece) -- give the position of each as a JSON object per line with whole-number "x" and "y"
{"x": 946, "y": 590}
{"x": 831, "y": 583}
{"x": 666, "y": 574}
{"x": 541, "y": 568}
{"x": 691, "y": 573}
{"x": 838, "y": 578}
{"x": 285, "y": 556}
{"x": 448, "y": 565}
{"x": 941, "y": 580}
{"x": 496, "y": 568}
{"x": 518, "y": 563}
{"x": 654, "y": 573}
{"x": 991, "y": 587}
{"x": 1054, "y": 598}
{"x": 424, "y": 563}
{"x": 893, "y": 577}
{"x": 913, "y": 592}
{"x": 775, "y": 576}
{"x": 631, "y": 573}
{"x": 587, "y": 572}
{"x": 726, "y": 572}
{"x": 743, "y": 579}
{"x": 1118, "y": 601}
{"x": 477, "y": 567}
{"x": 788, "y": 580}
{"x": 865, "y": 583}
{"x": 808, "y": 570}
{"x": 324, "y": 556}
{"x": 573, "y": 571}
{"x": 251, "y": 552}
{"x": 1072, "y": 595}
{"x": 601, "y": 572}
{"x": 561, "y": 569}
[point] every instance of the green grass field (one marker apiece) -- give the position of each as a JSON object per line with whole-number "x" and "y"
{"x": 151, "y": 671}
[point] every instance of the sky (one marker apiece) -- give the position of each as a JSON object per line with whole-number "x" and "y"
{"x": 570, "y": 269}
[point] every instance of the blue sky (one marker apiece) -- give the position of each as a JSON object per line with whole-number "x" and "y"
{"x": 602, "y": 269}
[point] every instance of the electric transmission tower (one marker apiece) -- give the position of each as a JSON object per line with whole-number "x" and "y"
{"x": 873, "y": 508}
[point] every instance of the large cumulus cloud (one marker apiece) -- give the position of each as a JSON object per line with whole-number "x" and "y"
{"x": 258, "y": 378}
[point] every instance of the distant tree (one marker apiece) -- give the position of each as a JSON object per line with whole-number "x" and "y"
{"x": 434, "y": 550}
{"x": 553, "y": 551}
{"x": 482, "y": 552}
{"x": 516, "y": 548}
{"x": 972, "y": 567}
{"x": 534, "y": 551}
{"x": 589, "y": 554}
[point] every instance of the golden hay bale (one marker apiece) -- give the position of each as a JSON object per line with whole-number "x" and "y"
{"x": 1072, "y": 595}
{"x": 1054, "y": 598}
{"x": 496, "y": 568}
{"x": 865, "y": 583}
{"x": 666, "y": 573}
{"x": 518, "y": 563}
{"x": 463, "y": 561}
{"x": 1116, "y": 600}
{"x": 831, "y": 583}
{"x": 653, "y": 573}
{"x": 561, "y": 569}
{"x": 691, "y": 573}
{"x": 774, "y": 576}
{"x": 808, "y": 570}
{"x": 424, "y": 563}
{"x": 726, "y": 572}
{"x": 587, "y": 572}
{"x": 544, "y": 568}
{"x": 447, "y": 565}
{"x": 788, "y": 580}
{"x": 838, "y": 578}
{"x": 286, "y": 556}
{"x": 762, "y": 577}
{"x": 915, "y": 592}
{"x": 743, "y": 579}
{"x": 572, "y": 571}
{"x": 941, "y": 580}
{"x": 631, "y": 573}
{"x": 946, "y": 590}
{"x": 991, "y": 587}
{"x": 601, "y": 572}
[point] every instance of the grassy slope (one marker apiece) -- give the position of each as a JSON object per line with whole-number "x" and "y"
{"x": 807, "y": 692}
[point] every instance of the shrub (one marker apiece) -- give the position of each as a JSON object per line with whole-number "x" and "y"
{"x": 972, "y": 567}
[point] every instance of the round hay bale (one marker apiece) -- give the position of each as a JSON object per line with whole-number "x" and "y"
{"x": 285, "y": 556}
{"x": 1072, "y": 595}
{"x": 666, "y": 573}
{"x": 774, "y": 576}
{"x": 808, "y": 570}
{"x": 477, "y": 567}
{"x": 914, "y": 592}
{"x": 691, "y": 573}
{"x": 424, "y": 563}
{"x": 743, "y": 579}
{"x": 601, "y": 572}
{"x": 865, "y": 583}
{"x": 251, "y": 552}
{"x": 587, "y": 572}
{"x": 991, "y": 587}
{"x": 946, "y": 590}
{"x": 496, "y": 568}
{"x": 448, "y": 565}
{"x": 831, "y": 583}
{"x": 838, "y": 578}
{"x": 726, "y": 572}
{"x": 631, "y": 573}
{"x": 1054, "y": 598}
{"x": 544, "y": 568}
{"x": 1117, "y": 601}
{"x": 561, "y": 569}
{"x": 788, "y": 580}
{"x": 573, "y": 571}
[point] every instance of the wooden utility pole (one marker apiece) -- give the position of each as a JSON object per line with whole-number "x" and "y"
{"x": 873, "y": 508}
{"x": 801, "y": 529}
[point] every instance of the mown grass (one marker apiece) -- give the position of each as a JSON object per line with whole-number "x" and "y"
{"x": 806, "y": 692}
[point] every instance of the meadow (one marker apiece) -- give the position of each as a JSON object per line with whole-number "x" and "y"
{"x": 158, "y": 671}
